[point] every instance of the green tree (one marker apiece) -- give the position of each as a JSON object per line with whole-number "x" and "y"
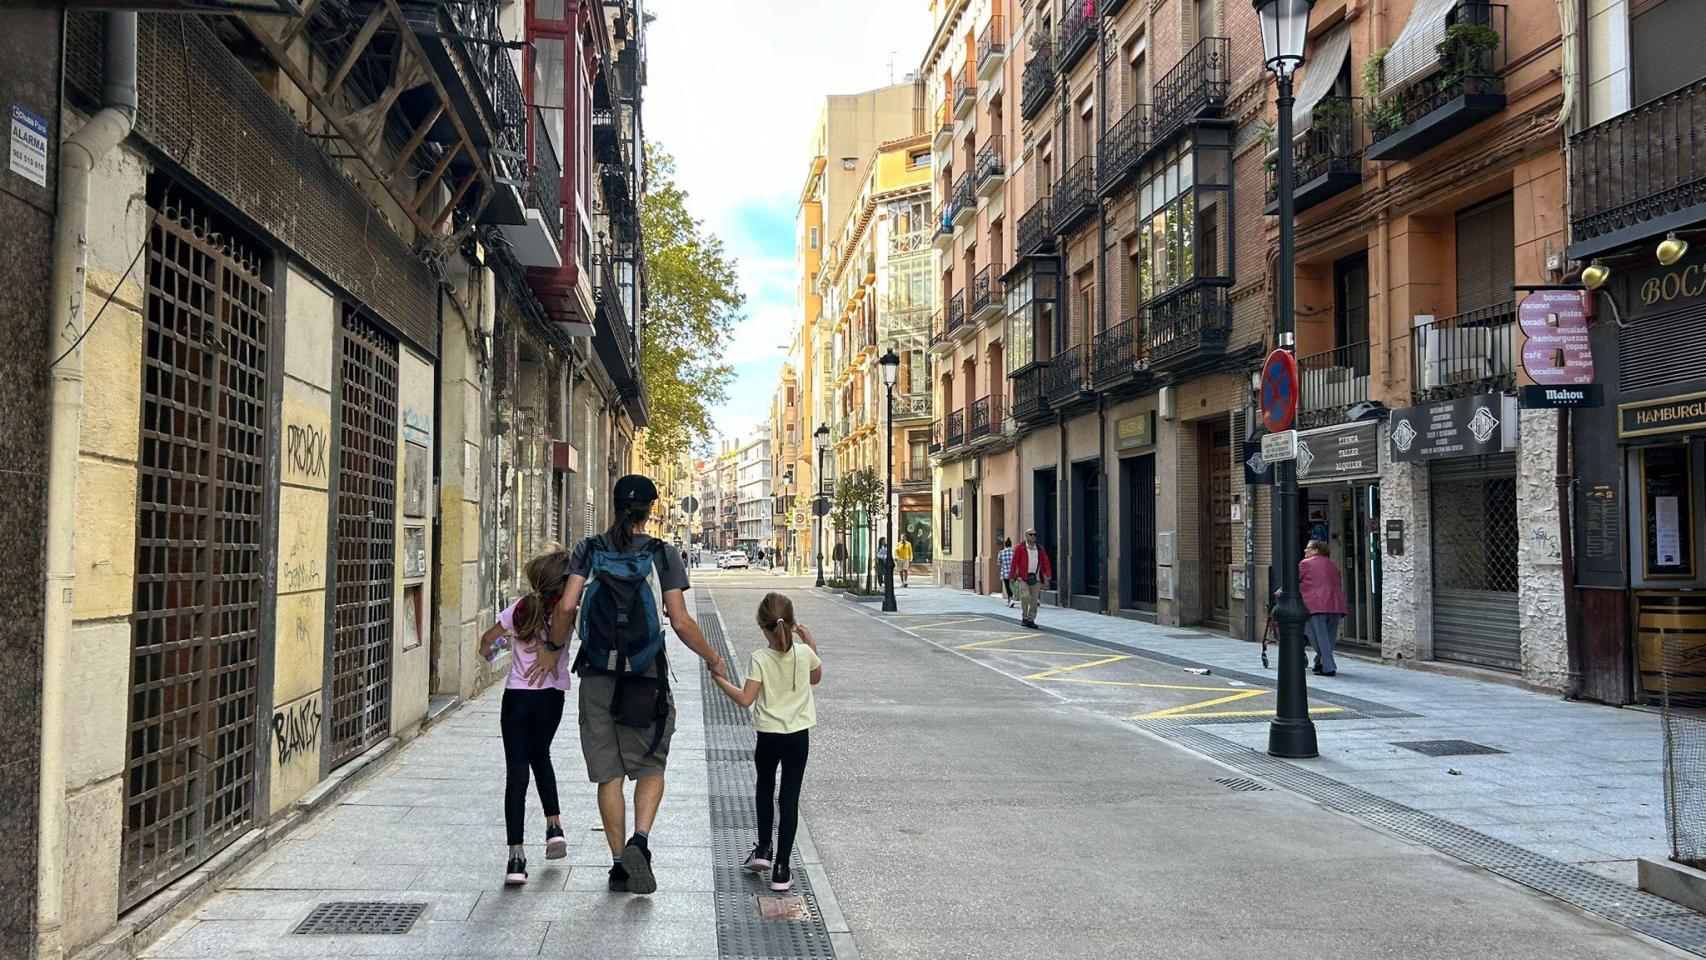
{"x": 859, "y": 500}
{"x": 693, "y": 302}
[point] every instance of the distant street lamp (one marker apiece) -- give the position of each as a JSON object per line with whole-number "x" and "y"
{"x": 820, "y": 440}
{"x": 1285, "y": 29}
{"x": 890, "y": 365}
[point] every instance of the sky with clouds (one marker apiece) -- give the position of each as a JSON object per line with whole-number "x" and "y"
{"x": 734, "y": 88}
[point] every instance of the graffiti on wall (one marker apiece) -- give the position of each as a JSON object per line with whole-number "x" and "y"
{"x": 305, "y": 450}
{"x": 296, "y": 729}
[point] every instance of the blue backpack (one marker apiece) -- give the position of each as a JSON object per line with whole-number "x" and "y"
{"x": 621, "y": 627}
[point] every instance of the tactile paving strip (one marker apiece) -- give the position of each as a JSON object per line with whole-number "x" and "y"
{"x": 361, "y": 917}
{"x": 1620, "y": 903}
{"x": 741, "y": 933}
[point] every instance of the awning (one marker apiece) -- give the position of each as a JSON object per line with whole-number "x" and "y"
{"x": 1412, "y": 56}
{"x": 1319, "y": 73}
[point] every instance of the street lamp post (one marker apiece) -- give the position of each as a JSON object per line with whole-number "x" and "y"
{"x": 1285, "y": 29}
{"x": 890, "y": 364}
{"x": 820, "y": 440}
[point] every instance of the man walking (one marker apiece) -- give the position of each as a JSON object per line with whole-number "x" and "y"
{"x": 840, "y": 559}
{"x": 1030, "y": 570}
{"x": 903, "y": 558}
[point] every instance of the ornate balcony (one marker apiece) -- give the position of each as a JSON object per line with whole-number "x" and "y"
{"x": 915, "y": 474}
{"x": 939, "y": 328}
{"x": 1333, "y": 382}
{"x": 943, "y": 238}
{"x": 1030, "y": 399}
{"x": 1075, "y": 196}
{"x": 992, "y": 47}
{"x": 1077, "y": 34}
{"x": 1037, "y": 82}
{"x": 1325, "y": 160}
{"x": 965, "y": 199}
{"x": 911, "y": 406}
{"x": 1118, "y": 355}
{"x": 1069, "y": 376}
{"x": 1035, "y": 236}
{"x": 1195, "y": 87}
{"x": 1640, "y": 174}
{"x": 1123, "y": 146}
{"x": 988, "y": 293}
{"x": 1465, "y": 89}
{"x": 1474, "y": 352}
{"x": 990, "y": 166}
{"x": 954, "y": 433}
{"x": 1187, "y": 325}
{"x": 987, "y": 413}
{"x": 944, "y": 125}
{"x": 956, "y": 314}
{"x": 936, "y": 436}
{"x": 965, "y": 95}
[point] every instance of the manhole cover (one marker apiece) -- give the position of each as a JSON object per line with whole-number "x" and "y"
{"x": 1446, "y": 748}
{"x": 782, "y": 908}
{"x": 362, "y": 916}
{"x": 1239, "y": 784}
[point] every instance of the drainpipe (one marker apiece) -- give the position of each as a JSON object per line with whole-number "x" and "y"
{"x": 78, "y": 155}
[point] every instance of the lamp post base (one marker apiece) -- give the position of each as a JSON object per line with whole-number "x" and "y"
{"x": 1292, "y": 740}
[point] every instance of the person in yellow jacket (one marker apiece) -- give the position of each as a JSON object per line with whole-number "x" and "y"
{"x": 903, "y": 557}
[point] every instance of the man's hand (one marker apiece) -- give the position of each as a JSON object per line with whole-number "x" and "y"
{"x": 543, "y": 665}
{"x": 718, "y": 668}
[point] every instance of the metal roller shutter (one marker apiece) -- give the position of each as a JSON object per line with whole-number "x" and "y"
{"x": 1474, "y": 561}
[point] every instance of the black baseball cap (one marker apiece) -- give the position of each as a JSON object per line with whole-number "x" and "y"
{"x": 635, "y": 488}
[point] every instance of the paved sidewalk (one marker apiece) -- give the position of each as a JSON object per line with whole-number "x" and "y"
{"x": 1577, "y": 782}
{"x": 429, "y": 829}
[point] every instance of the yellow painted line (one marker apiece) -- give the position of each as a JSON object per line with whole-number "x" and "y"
{"x": 1046, "y": 674}
{"x": 1248, "y": 713}
{"x": 1189, "y": 707}
{"x": 945, "y": 623}
{"x": 990, "y": 643}
{"x": 1133, "y": 683}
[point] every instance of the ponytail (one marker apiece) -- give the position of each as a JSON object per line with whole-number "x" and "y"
{"x": 546, "y": 574}
{"x": 620, "y": 536}
{"x": 776, "y": 619}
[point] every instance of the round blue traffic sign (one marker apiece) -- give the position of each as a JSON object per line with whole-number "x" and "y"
{"x": 1279, "y": 391}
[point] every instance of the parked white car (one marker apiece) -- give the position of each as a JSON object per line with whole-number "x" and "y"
{"x": 732, "y": 559}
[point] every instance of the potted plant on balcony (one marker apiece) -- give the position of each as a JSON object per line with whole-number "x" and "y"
{"x": 1382, "y": 114}
{"x": 1463, "y": 52}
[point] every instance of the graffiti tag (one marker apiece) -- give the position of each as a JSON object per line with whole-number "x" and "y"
{"x": 295, "y": 730}
{"x": 305, "y": 444}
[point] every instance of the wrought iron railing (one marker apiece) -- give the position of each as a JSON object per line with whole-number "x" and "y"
{"x": 954, "y": 433}
{"x": 987, "y": 413}
{"x": 939, "y": 326}
{"x": 1036, "y": 229}
{"x": 1075, "y": 194}
{"x": 1466, "y": 69}
{"x": 1195, "y": 318}
{"x": 1037, "y": 81}
{"x": 1118, "y": 353}
{"x": 1030, "y": 396}
{"x": 1474, "y": 352}
{"x": 965, "y": 90}
{"x": 1068, "y": 374}
{"x": 544, "y": 191}
{"x": 615, "y": 307}
{"x": 1197, "y": 85}
{"x": 992, "y": 42}
{"x": 936, "y": 436}
{"x": 1328, "y": 147}
{"x": 1333, "y": 381}
{"x": 945, "y": 118}
{"x": 916, "y": 470}
{"x": 1077, "y": 32}
{"x": 987, "y": 290}
{"x": 910, "y": 405}
{"x": 1123, "y": 146}
{"x": 956, "y": 313}
{"x": 945, "y": 216}
{"x": 1639, "y": 166}
{"x": 990, "y": 163}
{"x": 965, "y": 194}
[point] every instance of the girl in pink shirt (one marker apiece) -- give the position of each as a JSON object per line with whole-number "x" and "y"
{"x": 1322, "y": 587}
{"x": 531, "y": 711}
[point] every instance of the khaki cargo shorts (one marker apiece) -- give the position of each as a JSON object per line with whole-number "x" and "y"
{"x": 613, "y": 751}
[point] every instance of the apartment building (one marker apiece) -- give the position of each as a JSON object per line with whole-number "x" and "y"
{"x": 753, "y": 506}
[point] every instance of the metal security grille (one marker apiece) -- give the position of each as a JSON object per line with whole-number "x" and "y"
{"x": 364, "y": 572}
{"x": 191, "y": 753}
{"x": 1475, "y": 547}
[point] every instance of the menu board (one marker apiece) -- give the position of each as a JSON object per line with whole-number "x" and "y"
{"x": 1601, "y": 522}
{"x": 1667, "y": 502}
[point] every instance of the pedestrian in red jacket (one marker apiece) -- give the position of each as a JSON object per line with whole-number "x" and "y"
{"x": 1322, "y": 587}
{"x": 1031, "y": 569}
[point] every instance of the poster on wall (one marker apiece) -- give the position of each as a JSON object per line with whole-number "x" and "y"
{"x": 1668, "y": 506}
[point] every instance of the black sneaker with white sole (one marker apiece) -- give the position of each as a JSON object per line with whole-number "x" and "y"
{"x": 780, "y": 877}
{"x": 515, "y": 874}
{"x": 758, "y": 861}
{"x": 618, "y": 879}
{"x": 637, "y": 860}
{"x": 556, "y": 845}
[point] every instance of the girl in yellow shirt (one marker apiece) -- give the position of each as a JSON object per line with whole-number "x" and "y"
{"x": 779, "y": 681}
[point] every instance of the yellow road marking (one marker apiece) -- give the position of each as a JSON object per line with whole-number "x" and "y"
{"x": 1133, "y": 683}
{"x": 990, "y": 643}
{"x": 1246, "y": 713}
{"x": 945, "y": 623}
{"x": 1187, "y": 708}
{"x": 1047, "y": 674}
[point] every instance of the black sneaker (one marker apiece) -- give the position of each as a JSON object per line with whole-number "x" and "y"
{"x": 758, "y": 861}
{"x": 556, "y": 845}
{"x": 618, "y": 879}
{"x": 515, "y": 874}
{"x": 637, "y": 860}
{"x": 780, "y": 877}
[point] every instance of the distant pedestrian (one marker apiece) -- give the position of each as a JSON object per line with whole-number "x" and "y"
{"x": 840, "y": 554}
{"x": 903, "y": 558}
{"x": 531, "y": 709}
{"x": 884, "y": 567}
{"x": 779, "y": 681}
{"x": 1004, "y": 560}
{"x": 1322, "y": 586}
{"x": 1030, "y": 570}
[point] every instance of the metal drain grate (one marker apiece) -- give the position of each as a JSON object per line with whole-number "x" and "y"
{"x": 745, "y": 928}
{"x": 1446, "y": 748}
{"x": 1240, "y": 784}
{"x": 361, "y": 917}
{"x": 1618, "y": 902}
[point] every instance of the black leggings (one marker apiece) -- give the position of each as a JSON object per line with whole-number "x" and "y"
{"x": 529, "y": 721}
{"x": 789, "y": 750}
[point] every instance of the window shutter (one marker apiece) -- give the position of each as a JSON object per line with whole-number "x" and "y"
{"x": 1486, "y": 255}
{"x": 1665, "y": 40}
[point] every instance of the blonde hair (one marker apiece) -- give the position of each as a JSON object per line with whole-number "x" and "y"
{"x": 776, "y": 619}
{"x": 546, "y": 574}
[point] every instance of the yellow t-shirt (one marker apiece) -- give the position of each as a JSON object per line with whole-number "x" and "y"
{"x": 904, "y": 551}
{"x": 785, "y": 703}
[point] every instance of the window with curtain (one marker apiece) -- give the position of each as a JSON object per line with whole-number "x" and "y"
{"x": 548, "y": 87}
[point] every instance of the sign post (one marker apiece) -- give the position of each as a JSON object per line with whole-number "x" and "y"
{"x": 1279, "y": 392}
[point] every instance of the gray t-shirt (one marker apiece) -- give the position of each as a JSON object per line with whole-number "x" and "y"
{"x": 672, "y": 575}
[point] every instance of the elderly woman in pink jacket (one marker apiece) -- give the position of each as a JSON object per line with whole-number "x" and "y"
{"x": 1323, "y": 589}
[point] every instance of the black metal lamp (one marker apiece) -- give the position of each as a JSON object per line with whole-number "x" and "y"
{"x": 1285, "y": 30}
{"x": 889, "y": 364}
{"x": 820, "y": 440}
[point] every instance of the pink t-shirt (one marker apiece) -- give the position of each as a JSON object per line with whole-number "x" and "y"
{"x": 524, "y": 651}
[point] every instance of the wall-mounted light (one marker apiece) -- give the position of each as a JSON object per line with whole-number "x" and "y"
{"x": 1672, "y": 248}
{"x": 1595, "y": 274}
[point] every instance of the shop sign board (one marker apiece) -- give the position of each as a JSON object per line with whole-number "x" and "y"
{"x": 1133, "y": 432}
{"x": 1665, "y": 415}
{"x": 1345, "y": 451}
{"x": 1280, "y": 446}
{"x": 1258, "y": 472}
{"x": 1463, "y": 427}
{"x": 1540, "y": 397}
{"x": 1555, "y": 351}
